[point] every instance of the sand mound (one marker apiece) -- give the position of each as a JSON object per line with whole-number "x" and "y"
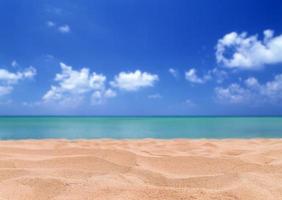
{"x": 141, "y": 169}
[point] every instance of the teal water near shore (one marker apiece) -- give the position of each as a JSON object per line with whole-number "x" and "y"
{"x": 139, "y": 127}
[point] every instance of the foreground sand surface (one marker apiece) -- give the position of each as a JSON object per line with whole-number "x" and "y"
{"x": 141, "y": 169}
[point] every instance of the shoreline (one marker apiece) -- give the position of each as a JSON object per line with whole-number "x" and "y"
{"x": 140, "y": 139}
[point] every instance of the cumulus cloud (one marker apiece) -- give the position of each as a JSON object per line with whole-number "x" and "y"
{"x": 133, "y": 81}
{"x": 236, "y": 50}
{"x": 64, "y": 28}
{"x": 214, "y": 74}
{"x": 191, "y": 76}
{"x": 98, "y": 96}
{"x": 12, "y": 78}
{"x": 233, "y": 94}
{"x": 110, "y": 93}
{"x": 252, "y": 82}
{"x": 73, "y": 85}
{"x": 173, "y": 72}
{"x": 252, "y": 91}
{"x": 9, "y": 79}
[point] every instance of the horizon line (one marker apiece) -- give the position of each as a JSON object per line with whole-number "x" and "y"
{"x": 1, "y": 116}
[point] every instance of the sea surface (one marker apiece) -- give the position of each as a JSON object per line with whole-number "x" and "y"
{"x": 12, "y": 128}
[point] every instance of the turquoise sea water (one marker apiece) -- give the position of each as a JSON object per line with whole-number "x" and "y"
{"x": 139, "y": 127}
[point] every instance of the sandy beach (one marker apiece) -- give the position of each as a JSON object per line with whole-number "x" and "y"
{"x": 141, "y": 169}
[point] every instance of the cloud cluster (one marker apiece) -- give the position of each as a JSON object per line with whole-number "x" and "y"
{"x": 98, "y": 96}
{"x": 214, "y": 74}
{"x": 74, "y": 85}
{"x": 233, "y": 94}
{"x": 251, "y": 92}
{"x": 65, "y": 28}
{"x": 9, "y": 79}
{"x": 133, "y": 81}
{"x": 191, "y": 76}
{"x": 248, "y": 52}
{"x": 234, "y": 50}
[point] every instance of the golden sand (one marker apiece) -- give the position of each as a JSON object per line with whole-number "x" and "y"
{"x": 141, "y": 169}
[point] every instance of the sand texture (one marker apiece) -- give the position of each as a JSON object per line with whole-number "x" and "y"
{"x": 141, "y": 169}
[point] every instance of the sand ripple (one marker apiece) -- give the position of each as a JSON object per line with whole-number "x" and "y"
{"x": 141, "y": 169}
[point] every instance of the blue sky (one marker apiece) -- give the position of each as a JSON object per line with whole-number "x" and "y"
{"x": 150, "y": 57}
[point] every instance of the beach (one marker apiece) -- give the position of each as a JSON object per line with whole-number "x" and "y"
{"x": 141, "y": 169}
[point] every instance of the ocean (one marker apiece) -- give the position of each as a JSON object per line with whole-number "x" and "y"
{"x": 13, "y": 128}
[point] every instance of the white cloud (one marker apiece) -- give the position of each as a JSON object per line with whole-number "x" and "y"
{"x": 96, "y": 98}
{"x": 110, "y": 93}
{"x": 214, "y": 74}
{"x": 252, "y": 91}
{"x": 74, "y": 85}
{"x": 79, "y": 81}
{"x": 99, "y": 96}
{"x": 64, "y": 28}
{"x": 154, "y": 96}
{"x": 248, "y": 52}
{"x": 133, "y": 81}
{"x": 28, "y": 73}
{"x": 252, "y": 82}
{"x": 273, "y": 89}
{"x": 173, "y": 72}
{"x": 9, "y": 79}
{"x": 218, "y": 75}
{"x": 50, "y": 24}
{"x": 14, "y": 63}
{"x": 191, "y": 76}
{"x": 233, "y": 94}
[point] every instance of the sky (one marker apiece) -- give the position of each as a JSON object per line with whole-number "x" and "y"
{"x": 149, "y": 57}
